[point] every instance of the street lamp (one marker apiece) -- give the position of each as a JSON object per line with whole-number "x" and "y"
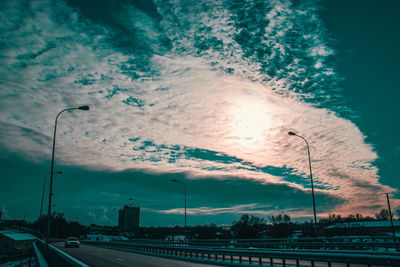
{"x": 391, "y": 217}
{"x": 52, "y": 166}
{"x": 312, "y": 184}
{"x": 184, "y": 185}
{"x": 41, "y": 204}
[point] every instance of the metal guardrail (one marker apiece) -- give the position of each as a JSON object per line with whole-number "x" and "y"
{"x": 304, "y": 245}
{"x": 336, "y": 243}
{"x": 57, "y": 257}
{"x": 39, "y": 259}
{"x": 284, "y": 258}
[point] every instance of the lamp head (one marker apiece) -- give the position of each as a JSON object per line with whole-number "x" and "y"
{"x": 291, "y": 133}
{"x": 84, "y": 108}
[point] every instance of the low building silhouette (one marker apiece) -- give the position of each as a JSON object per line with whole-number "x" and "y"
{"x": 12, "y": 243}
{"x": 103, "y": 229}
{"x": 363, "y": 228}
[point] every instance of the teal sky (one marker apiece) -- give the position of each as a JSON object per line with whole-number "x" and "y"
{"x": 204, "y": 93}
{"x": 366, "y": 40}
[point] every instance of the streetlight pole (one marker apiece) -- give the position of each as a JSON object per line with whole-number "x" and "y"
{"x": 312, "y": 183}
{"x": 52, "y": 167}
{"x": 41, "y": 204}
{"x": 391, "y": 217}
{"x": 184, "y": 185}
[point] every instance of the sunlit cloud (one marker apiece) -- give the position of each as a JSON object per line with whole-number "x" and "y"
{"x": 255, "y": 209}
{"x": 239, "y": 209}
{"x": 218, "y": 109}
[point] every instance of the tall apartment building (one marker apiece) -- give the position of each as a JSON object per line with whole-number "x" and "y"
{"x": 129, "y": 218}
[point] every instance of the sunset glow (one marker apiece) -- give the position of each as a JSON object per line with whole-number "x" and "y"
{"x": 250, "y": 123}
{"x": 200, "y": 91}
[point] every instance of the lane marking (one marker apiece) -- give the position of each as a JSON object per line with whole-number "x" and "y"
{"x": 119, "y": 259}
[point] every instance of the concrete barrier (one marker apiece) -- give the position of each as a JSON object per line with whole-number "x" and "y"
{"x": 250, "y": 256}
{"x": 38, "y": 256}
{"x": 57, "y": 257}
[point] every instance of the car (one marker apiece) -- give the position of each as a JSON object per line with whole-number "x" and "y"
{"x": 72, "y": 242}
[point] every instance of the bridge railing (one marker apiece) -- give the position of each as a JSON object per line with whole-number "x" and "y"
{"x": 38, "y": 256}
{"x": 283, "y": 257}
{"x": 330, "y": 243}
{"x": 56, "y": 257}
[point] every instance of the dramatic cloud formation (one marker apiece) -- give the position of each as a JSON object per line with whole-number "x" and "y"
{"x": 200, "y": 88}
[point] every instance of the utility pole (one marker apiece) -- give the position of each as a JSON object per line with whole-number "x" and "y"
{"x": 391, "y": 217}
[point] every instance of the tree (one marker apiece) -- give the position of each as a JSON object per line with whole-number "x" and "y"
{"x": 279, "y": 219}
{"x": 281, "y": 226}
{"x": 335, "y": 218}
{"x": 59, "y": 226}
{"x": 248, "y": 227}
{"x": 205, "y": 231}
{"x": 383, "y": 215}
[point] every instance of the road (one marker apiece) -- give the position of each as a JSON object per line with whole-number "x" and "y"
{"x": 101, "y": 257}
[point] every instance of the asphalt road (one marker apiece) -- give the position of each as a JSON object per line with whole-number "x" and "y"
{"x": 102, "y": 257}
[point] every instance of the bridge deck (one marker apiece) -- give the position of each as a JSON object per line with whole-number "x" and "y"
{"x": 101, "y": 257}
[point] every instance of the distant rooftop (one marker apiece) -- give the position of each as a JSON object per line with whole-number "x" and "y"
{"x": 19, "y": 236}
{"x": 364, "y": 224}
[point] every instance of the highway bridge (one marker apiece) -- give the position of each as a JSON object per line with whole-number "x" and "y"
{"x": 103, "y": 257}
{"x": 161, "y": 254}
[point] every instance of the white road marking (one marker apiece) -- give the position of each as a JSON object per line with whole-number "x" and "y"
{"x": 119, "y": 259}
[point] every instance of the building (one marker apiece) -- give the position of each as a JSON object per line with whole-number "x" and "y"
{"x": 105, "y": 238}
{"x": 129, "y": 218}
{"x": 363, "y": 228}
{"x": 15, "y": 243}
{"x": 104, "y": 230}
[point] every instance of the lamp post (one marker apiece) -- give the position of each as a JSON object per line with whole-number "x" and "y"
{"x": 184, "y": 185}
{"x": 55, "y": 220}
{"x": 52, "y": 167}
{"x": 312, "y": 184}
{"x": 391, "y": 217}
{"x": 41, "y": 204}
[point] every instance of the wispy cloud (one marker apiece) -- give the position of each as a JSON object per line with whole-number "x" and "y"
{"x": 254, "y": 209}
{"x": 210, "y": 83}
{"x": 239, "y": 209}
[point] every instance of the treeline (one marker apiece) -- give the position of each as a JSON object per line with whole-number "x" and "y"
{"x": 59, "y": 226}
{"x": 248, "y": 226}
{"x": 279, "y": 226}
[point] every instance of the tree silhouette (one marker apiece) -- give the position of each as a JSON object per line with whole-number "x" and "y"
{"x": 281, "y": 226}
{"x": 59, "y": 226}
{"x": 248, "y": 227}
{"x": 383, "y": 215}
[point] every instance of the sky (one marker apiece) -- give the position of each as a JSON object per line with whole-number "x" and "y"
{"x": 204, "y": 92}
